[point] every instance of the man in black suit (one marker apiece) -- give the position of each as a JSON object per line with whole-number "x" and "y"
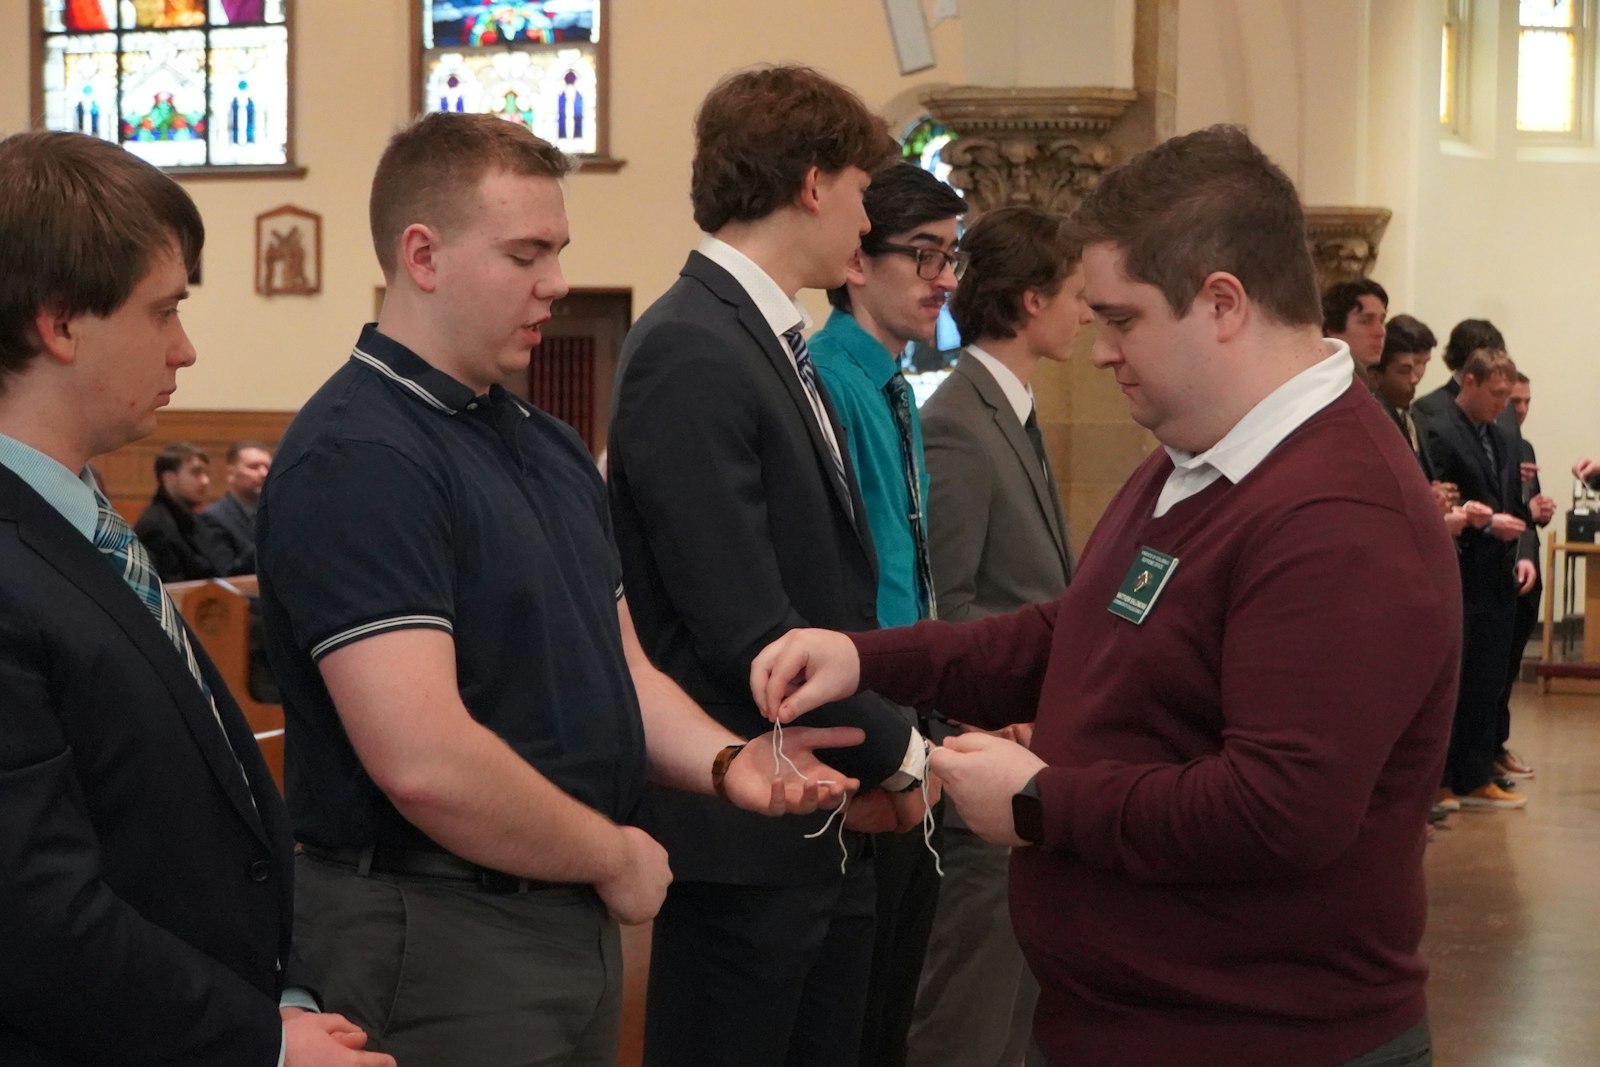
{"x": 180, "y": 546}
{"x": 144, "y": 852}
{"x": 1541, "y": 509}
{"x": 1470, "y": 449}
{"x": 739, "y": 518}
{"x": 1469, "y": 336}
{"x": 231, "y": 521}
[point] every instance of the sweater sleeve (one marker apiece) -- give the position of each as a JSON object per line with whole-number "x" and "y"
{"x": 1334, "y": 647}
{"x": 987, "y": 672}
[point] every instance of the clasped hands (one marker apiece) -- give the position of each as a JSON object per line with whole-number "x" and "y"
{"x": 806, "y": 668}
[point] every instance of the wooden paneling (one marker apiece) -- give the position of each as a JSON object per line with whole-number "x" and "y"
{"x": 128, "y": 474}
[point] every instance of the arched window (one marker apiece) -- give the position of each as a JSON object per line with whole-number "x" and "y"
{"x": 923, "y": 142}
{"x": 537, "y": 62}
{"x": 186, "y": 84}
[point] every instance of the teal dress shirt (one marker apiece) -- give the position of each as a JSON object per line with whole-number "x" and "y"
{"x": 856, "y": 367}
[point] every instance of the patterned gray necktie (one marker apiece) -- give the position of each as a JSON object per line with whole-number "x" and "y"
{"x": 808, "y": 378}
{"x": 116, "y": 541}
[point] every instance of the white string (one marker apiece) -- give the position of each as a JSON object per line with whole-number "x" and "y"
{"x": 928, "y": 824}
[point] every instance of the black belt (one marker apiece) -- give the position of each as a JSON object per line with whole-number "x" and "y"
{"x": 378, "y": 859}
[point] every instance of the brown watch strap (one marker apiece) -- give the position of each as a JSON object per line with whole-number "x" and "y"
{"x": 719, "y": 769}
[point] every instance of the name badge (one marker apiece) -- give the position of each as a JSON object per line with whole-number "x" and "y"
{"x": 1140, "y": 587}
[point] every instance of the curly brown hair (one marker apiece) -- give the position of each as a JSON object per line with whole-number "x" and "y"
{"x": 759, "y": 132}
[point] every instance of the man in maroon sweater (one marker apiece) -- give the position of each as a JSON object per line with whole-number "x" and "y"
{"x": 1243, "y": 700}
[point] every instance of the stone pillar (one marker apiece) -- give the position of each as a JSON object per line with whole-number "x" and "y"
{"x": 1344, "y": 241}
{"x": 1040, "y": 146}
{"x": 1048, "y": 147}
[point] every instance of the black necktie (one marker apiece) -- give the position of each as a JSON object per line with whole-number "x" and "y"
{"x": 899, "y": 393}
{"x": 1486, "y": 439}
{"x": 1037, "y": 438}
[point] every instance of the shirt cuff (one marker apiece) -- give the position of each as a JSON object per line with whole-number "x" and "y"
{"x": 913, "y": 769}
{"x": 293, "y": 997}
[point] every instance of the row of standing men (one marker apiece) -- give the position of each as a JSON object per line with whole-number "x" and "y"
{"x": 513, "y": 692}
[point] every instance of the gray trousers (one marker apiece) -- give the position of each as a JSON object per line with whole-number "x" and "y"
{"x": 976, "y": 998}
{"x": 444, "y": 974}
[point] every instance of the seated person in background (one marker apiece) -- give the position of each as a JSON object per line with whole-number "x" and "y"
{"x": 1353, "y": 312}
{"x": 179, "y": 547}
{"x": 231, "y": 521}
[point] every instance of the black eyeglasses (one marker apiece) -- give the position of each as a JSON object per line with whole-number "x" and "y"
{"x": 931, "y": 262}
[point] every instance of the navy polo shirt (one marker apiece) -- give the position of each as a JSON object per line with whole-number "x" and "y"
{"x": 400, "y": 500}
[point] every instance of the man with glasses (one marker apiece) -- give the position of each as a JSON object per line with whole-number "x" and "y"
{"x": 895, "y": 287}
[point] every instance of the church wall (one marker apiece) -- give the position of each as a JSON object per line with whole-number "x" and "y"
{"x": 631, "y": 229}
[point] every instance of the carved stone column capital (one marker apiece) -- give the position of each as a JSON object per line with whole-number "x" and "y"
{"x": 1040, "y": 146}
{"x": 1344, "y": 241}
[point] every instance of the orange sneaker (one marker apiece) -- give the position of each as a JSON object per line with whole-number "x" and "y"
{"x": 1490, "y": 797}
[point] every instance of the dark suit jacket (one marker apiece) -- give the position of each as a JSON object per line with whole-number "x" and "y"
{"x": 1486, "y": 562}
{"x": 179, "y": 546}
{"x": 145, "y": 890}
{"x": 232, "y": 530}
{"x": 1528, "y": 547}
{"x": 1417, "y": 421}
{"x": 996, "y": 533}
{"x": 733, "y": 530}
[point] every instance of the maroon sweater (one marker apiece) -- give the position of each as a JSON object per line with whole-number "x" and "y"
{"x": 1237, "y": 789}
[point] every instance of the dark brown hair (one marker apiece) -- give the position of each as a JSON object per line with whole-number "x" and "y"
{"x": 1404, "y": 334}
{"x": 431, "y": 169}
{"x": 175, "y": 454}
{"x": 1468, "y": 336}
{"x": 760, "y": 131}
{"x": 1208, "y": 201}
{"x": 1341, "y": 298}
{"x": 902, "y": 197}
{"x": 81, "y": 221}
{"x": 1013, "y": 249}
{"x": 238, "y": 447}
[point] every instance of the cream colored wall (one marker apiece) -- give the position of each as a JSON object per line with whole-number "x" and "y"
{"x": 630, "y": 229}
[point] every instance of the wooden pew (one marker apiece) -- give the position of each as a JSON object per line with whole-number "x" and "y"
{"x": 218, "y": 611}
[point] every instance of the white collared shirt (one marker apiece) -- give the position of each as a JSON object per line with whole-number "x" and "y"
{"x": 1262, "y": 429}
{"x": 777, "y": 307}
{"x": 1020, "y": 396}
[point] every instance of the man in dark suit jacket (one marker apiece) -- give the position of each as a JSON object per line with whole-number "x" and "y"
{"x": 231, "y": 521}
{"x": 180, "y": 546}
{"x": 1469, "y": 448}
{"x": 999, "y": 542}
{"x": 144, "y": 853}
{"x": 1469, "y": 336}
{"x": 738, "y": 518}
{"x": 1541, "y": 509}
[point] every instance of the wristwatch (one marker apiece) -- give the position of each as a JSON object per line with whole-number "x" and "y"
{"x": 1027, "y": 812}
{"x": 719, "y": 770}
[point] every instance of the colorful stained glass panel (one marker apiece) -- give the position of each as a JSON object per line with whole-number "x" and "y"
{"x": 552, "y": 92}
{"x": 163, "y": 14}
{"x": 164, "y": 97}
{"x": 245, "y": 12}
{"x": 80, "y": 16}
{"x": 81, "y": 84}
{"x": 483, "y": 23}
{"x": 249, "y": 103}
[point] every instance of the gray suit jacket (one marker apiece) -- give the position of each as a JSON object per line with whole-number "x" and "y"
{"x": 996, "y": 533}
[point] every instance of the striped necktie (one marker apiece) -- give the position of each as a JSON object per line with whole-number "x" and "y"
{"x": 899, "y": 393}
{"x": 117, "y": 543}
{"x": 808, "y": 379}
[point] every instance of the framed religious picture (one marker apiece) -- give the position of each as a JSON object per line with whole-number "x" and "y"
{"x": 288, "y": 252}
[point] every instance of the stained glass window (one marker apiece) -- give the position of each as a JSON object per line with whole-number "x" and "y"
{"x": 923, "y": 144}
{"x": 1454, "y": 39}
{"x": 1554, "y": 49}
{"x": 535, "y": 62}
{"x": 181, "y": 83}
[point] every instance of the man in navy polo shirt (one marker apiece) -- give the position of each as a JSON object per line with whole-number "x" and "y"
{"x": 470, "y": 715}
